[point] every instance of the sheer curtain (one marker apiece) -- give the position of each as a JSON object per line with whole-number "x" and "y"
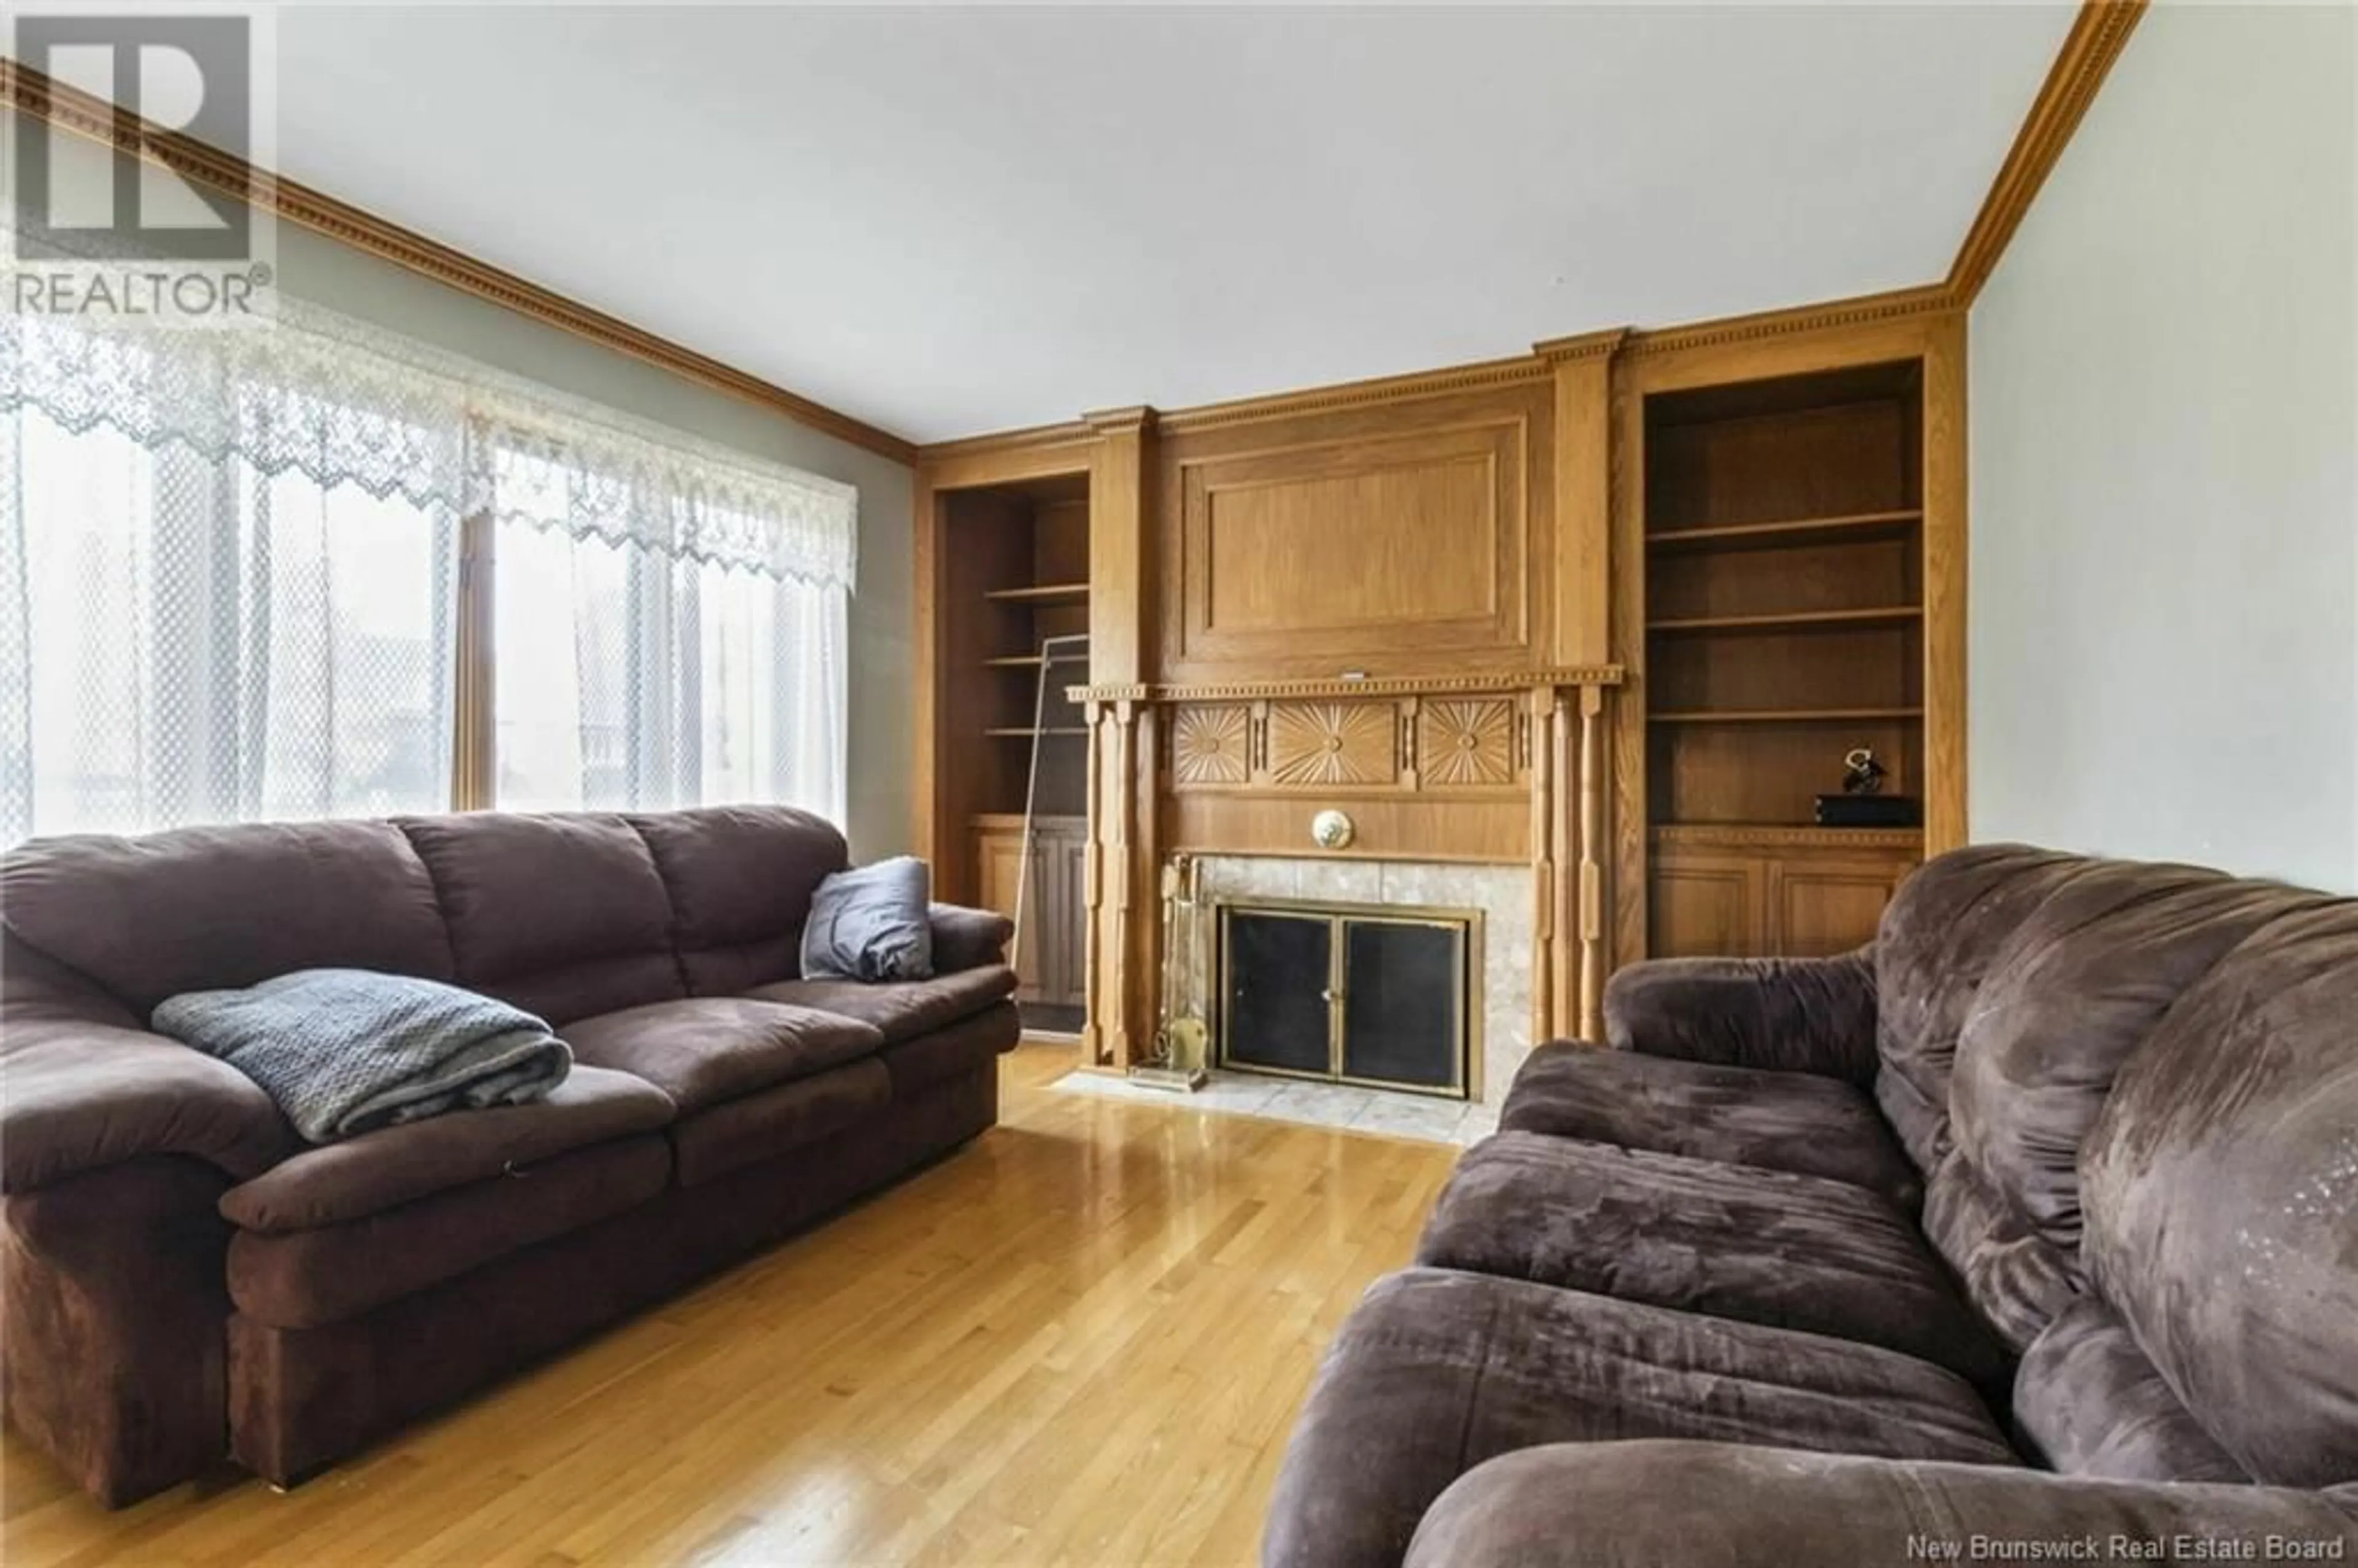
{"x": 229, "y": 586}
{"x": 189, "y": 637}
{"x": 639, "y": 668}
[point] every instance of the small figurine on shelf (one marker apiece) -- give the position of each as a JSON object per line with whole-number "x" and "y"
{"x": 1862, "y": 774}
{"x": 1862, "y": 803}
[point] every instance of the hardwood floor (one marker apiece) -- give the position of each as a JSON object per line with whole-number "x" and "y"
{"x": 1081, "y": 1340}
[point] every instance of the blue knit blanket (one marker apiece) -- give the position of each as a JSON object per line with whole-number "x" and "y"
{"x": 345, "y": 1051}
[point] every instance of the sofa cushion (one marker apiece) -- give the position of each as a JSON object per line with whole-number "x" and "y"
{"x": 562, "y": 915}
{"x": 1800, "y": 1122}
{"x": 769, "y": 1122}
{"x": 953, "y": 1049}
{"x": 740, "y": 878}
{"x": 2091, "y": 1404}
{"x": 703, "y": 1050}
{"x": 2220, "y": 1191}
{"x": 904, "y": 1010}
{"x": 378, "y": 1170}
{"x": 1766, "y": 1247}
{"x": 209, "y": 908}
{"x": 1937, "y": 938}
{"x": 2068, "y": 997}
{"x": 303, "y": 1278}
{"x": 1436, "y": 1371}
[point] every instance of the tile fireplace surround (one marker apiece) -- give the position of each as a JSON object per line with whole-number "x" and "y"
{"x": 1505, "y": 894}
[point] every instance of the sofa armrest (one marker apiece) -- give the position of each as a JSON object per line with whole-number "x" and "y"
{"x": 1791, "y": 1015}
{"x": 1621, "y": 1505}
{"x": 77, "y": 1096}
{"x": 968, "y": 938}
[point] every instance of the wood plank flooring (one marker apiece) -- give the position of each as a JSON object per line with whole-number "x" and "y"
{"x": 1081, "y": 1340}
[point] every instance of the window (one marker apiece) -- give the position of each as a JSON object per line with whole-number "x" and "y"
{"x": 230, "y": 589}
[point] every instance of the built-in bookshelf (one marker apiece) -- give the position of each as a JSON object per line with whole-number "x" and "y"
{"x": 1784, "y": 629}
{"x": 1012, "y": 749}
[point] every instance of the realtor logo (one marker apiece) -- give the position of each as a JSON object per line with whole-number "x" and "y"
{"x": 99, "y": 233}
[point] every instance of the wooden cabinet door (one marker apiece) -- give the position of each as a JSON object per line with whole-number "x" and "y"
{"x": 1063, "y": 916}
{"x": 999, "y": 876}
{"x": 1708, "y": 904}
{"x": 1819, "y": 907}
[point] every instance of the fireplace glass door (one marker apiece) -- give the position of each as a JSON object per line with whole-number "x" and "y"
{"x": 1360, "y": 997}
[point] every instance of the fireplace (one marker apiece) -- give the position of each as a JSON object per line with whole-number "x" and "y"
{"x": 1378, "y": 995}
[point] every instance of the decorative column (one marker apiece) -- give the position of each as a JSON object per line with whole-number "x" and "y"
{"x": 1123, "y": 932}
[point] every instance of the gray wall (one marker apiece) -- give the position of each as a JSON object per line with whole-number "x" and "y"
{"x": 2164, "y": 417}
{"x": 313, "y": 267}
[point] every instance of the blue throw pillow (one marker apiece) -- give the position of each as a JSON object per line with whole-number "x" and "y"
{"x": 870, "y": 924}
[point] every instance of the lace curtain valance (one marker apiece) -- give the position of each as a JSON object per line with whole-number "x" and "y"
{"x": 345, "y": 402}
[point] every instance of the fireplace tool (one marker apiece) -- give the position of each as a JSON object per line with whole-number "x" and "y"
{"x": 1183, "y": 1042}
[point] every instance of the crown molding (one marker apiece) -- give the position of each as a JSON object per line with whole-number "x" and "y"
{"x": 1068, "y": 433}
{"x": 30, "y": 92}
{"x": 1602, "y": 344}
{"x": 1371, "y": 392}
{"x": 1119, "y": 421}
{"x": 2097, "y": 36}
{"x": 1897, "y": 304}
{"x": 1374, "y": 686}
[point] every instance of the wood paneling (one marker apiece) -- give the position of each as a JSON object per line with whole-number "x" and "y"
{"x": 1465, "y": 741}
{"x": 1390, "y": 826}
{"x": 1003, "y": 882}
{"x": 1211, "y": 743}
{"x": 1342, "y": 552}
{"x": 1396, "y": 552}
{"x": 1704, "y": 904}
{"x": 1944, "y": 459}
{"x": 1325, "y": 744}
{"x": 1798, "y": 893}
{"x": 1408, "y": 539}
{"x": 1037, "y": 881}
{"x": 1579, "y": 470}
{"x": 1822, "y": 907}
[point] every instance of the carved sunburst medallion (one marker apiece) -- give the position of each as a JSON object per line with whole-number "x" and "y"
{"x": 1209, "y": 744}
{"x": 1466, "y": 742}
{"x": 1331, "y": 742}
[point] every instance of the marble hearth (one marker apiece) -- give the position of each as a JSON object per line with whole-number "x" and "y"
{"x": 1505, "y": 894}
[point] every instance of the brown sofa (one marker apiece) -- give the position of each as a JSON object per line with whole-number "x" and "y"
{"x": 2036, "y": 1220}
{"x": 184, "y": 1277}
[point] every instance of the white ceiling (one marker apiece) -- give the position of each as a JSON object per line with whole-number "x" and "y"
{"x": 957, "y": 220}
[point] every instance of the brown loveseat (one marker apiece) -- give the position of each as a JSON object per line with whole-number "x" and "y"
{"x": 184, "y": 1277}
{"x": 2035, "y": 1221}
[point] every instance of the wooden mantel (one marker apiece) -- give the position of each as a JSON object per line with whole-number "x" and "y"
{"x": 1505, "y": 767}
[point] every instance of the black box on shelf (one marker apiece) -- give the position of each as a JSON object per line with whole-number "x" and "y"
{"x": 1869, "y": 811}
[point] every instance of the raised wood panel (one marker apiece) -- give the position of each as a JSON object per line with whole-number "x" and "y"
{"x": 1343, "y": 552}
{"x": 1821, "y": 907}
{"x": 1211, "y": 743}
{"x": 1707, "y": 905}
{"x": 1356, "y": 555}
{"x": 1389, "y": 827}
{"x": 1405, "y": 539}
{"x": 1334, "y": 742}
{"x": 999, "y": 883}
{"x": 1465, "y": 741}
